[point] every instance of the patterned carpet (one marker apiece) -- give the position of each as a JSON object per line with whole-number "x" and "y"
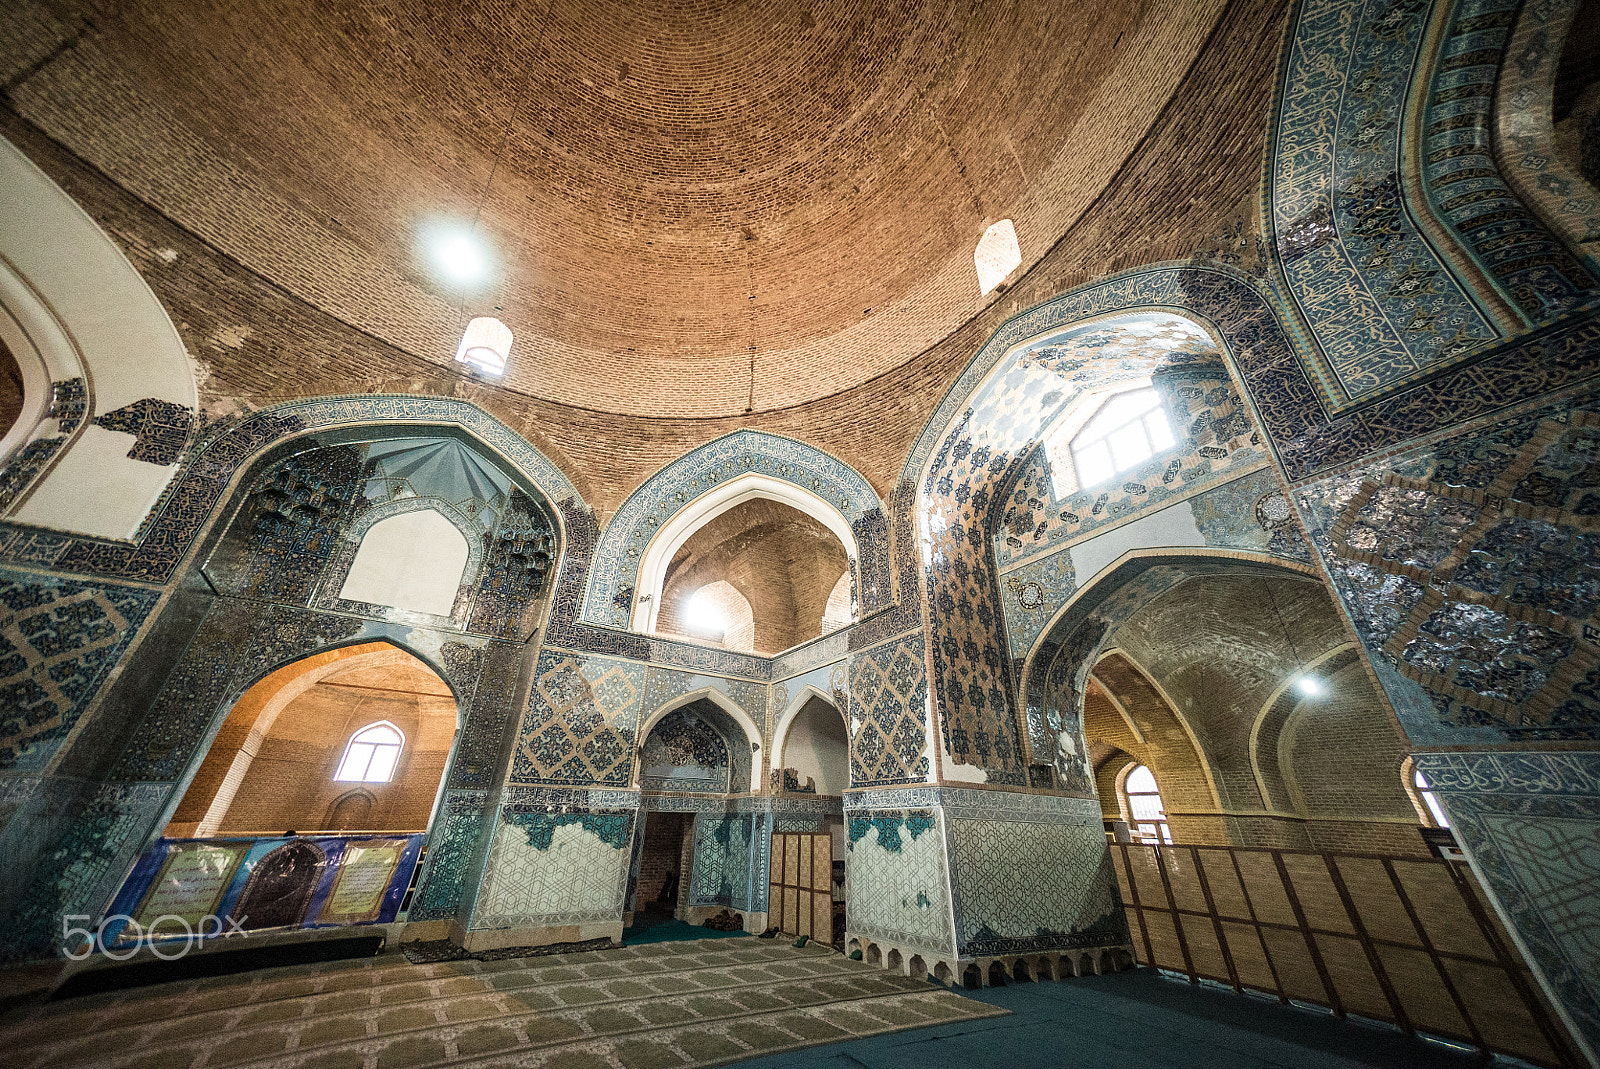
{"x": 659, "y": 1006}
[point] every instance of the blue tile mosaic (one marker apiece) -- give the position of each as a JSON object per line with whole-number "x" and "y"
{"x": 59, "y": 639}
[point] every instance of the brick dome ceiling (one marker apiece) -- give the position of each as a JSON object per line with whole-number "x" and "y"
{"x": 693, "y": 209}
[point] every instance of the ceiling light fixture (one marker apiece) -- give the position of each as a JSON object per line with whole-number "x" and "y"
{"x": 1310, "y": 686}
{"x": 462, "y": 258}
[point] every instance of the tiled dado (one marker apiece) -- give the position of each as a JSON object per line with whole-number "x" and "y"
{"x": 1530, "y": 822}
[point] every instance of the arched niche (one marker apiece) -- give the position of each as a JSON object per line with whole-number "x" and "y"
{"x": 1055, "y": 677}
{"x": 475, "y": 543}
{"x": 661, "y": 549}
{"x": 811, "y": 741}
{"x": 414, "y": 560}
{"x": 986, "y": 497}
{"x": 741, "y": 733}
{"x": 109, "y": 392}
{"x": 228, "y": 770}
{"x": 1127, "y": 710}
{"x": 618, "y": 578}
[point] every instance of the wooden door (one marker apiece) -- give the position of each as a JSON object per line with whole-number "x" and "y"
{"x": 800, "y": 892}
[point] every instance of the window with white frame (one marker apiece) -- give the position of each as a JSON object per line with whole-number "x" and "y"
{"x": 1130, "y": 428}
{"x": 371, "y": 754}
{"x": 1149, "y": 815}
{"x": 1429, "y": 798}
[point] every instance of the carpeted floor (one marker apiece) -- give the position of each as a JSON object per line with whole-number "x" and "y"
{"x": 1136, "y": 1020}
{"x": 664, "y": 928}
{"x": 658, "y": 1006}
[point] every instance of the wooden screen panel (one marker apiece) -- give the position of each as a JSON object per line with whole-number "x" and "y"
{"x": 800, "y": 887}
{"x": 1400, "y": 939}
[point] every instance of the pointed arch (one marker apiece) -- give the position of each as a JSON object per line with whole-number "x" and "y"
{"x": 110, "y": 394}
{"x": 669, "y": 506}
{"x": 248, "y": 720}
{"x": 723, "y": 704}
{"x": 780, "y": 729}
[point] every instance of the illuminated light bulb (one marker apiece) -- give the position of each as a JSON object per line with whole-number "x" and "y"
{"x": 1310, "y": 686}
{"x": 485, "y": 345}
{"x": 462, "y": 258}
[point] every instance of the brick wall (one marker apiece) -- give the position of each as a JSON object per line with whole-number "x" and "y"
{"x": 289, "y": 783}
{"x": 664, "y": 835}
{"x": 1182, "y": 187}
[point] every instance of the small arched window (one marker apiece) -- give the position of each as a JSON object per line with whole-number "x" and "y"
{"x": 1130, "y": 428}
{"x": 1145, "y": 807}
{"x": 997, "y": 255}
{"x": 371, "y": 754}
{"x": 1429, "y": 798}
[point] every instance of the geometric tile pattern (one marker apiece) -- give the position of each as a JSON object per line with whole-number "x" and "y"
{"x": 1531, "y": 824}
{"x": 888, "y": 714}
{"x": 298, "y": 533}
{"x": 1216, "y": 441}
{"x": 899, "y": 888}
{"x": 451, "y": 843}
{"x": 58, "y": 640}
{"x": 81, "y": 869}
{"x": 1543, "y": 179}
{"x": 970, "y": 490}
{"x": 1035, "y": 885}
{"x": 580, "y": 723}
{"x": 1472, "y": 567}
{"x": 223, "y": 446}
{"x": 579, "y": 873}
{"x": 722, "y": 873}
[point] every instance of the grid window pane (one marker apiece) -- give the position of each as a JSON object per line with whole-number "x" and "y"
{"x": 356, "y": 759}
{"x": 1128, "y": 430}
{"x": 372, "y": 754}
{"x": 1094, "y": 464}
{"x": 1146, "y": 806}
{"x": 382, "y": 766}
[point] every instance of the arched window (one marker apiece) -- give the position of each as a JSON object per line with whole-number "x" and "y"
{"x": 1144, "y": 806}
{"x": 1429, "y": 798}
{"x": 1129, "y": 428}
{"x": 997, "y": 255}
{"x": 371, "y": 754}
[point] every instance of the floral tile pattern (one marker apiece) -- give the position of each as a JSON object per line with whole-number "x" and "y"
{"x": 887, "y": 714}
{"x": 580, "y": 723}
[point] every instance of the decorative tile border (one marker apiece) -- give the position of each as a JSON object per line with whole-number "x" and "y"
{"x": 621, "y": 546}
